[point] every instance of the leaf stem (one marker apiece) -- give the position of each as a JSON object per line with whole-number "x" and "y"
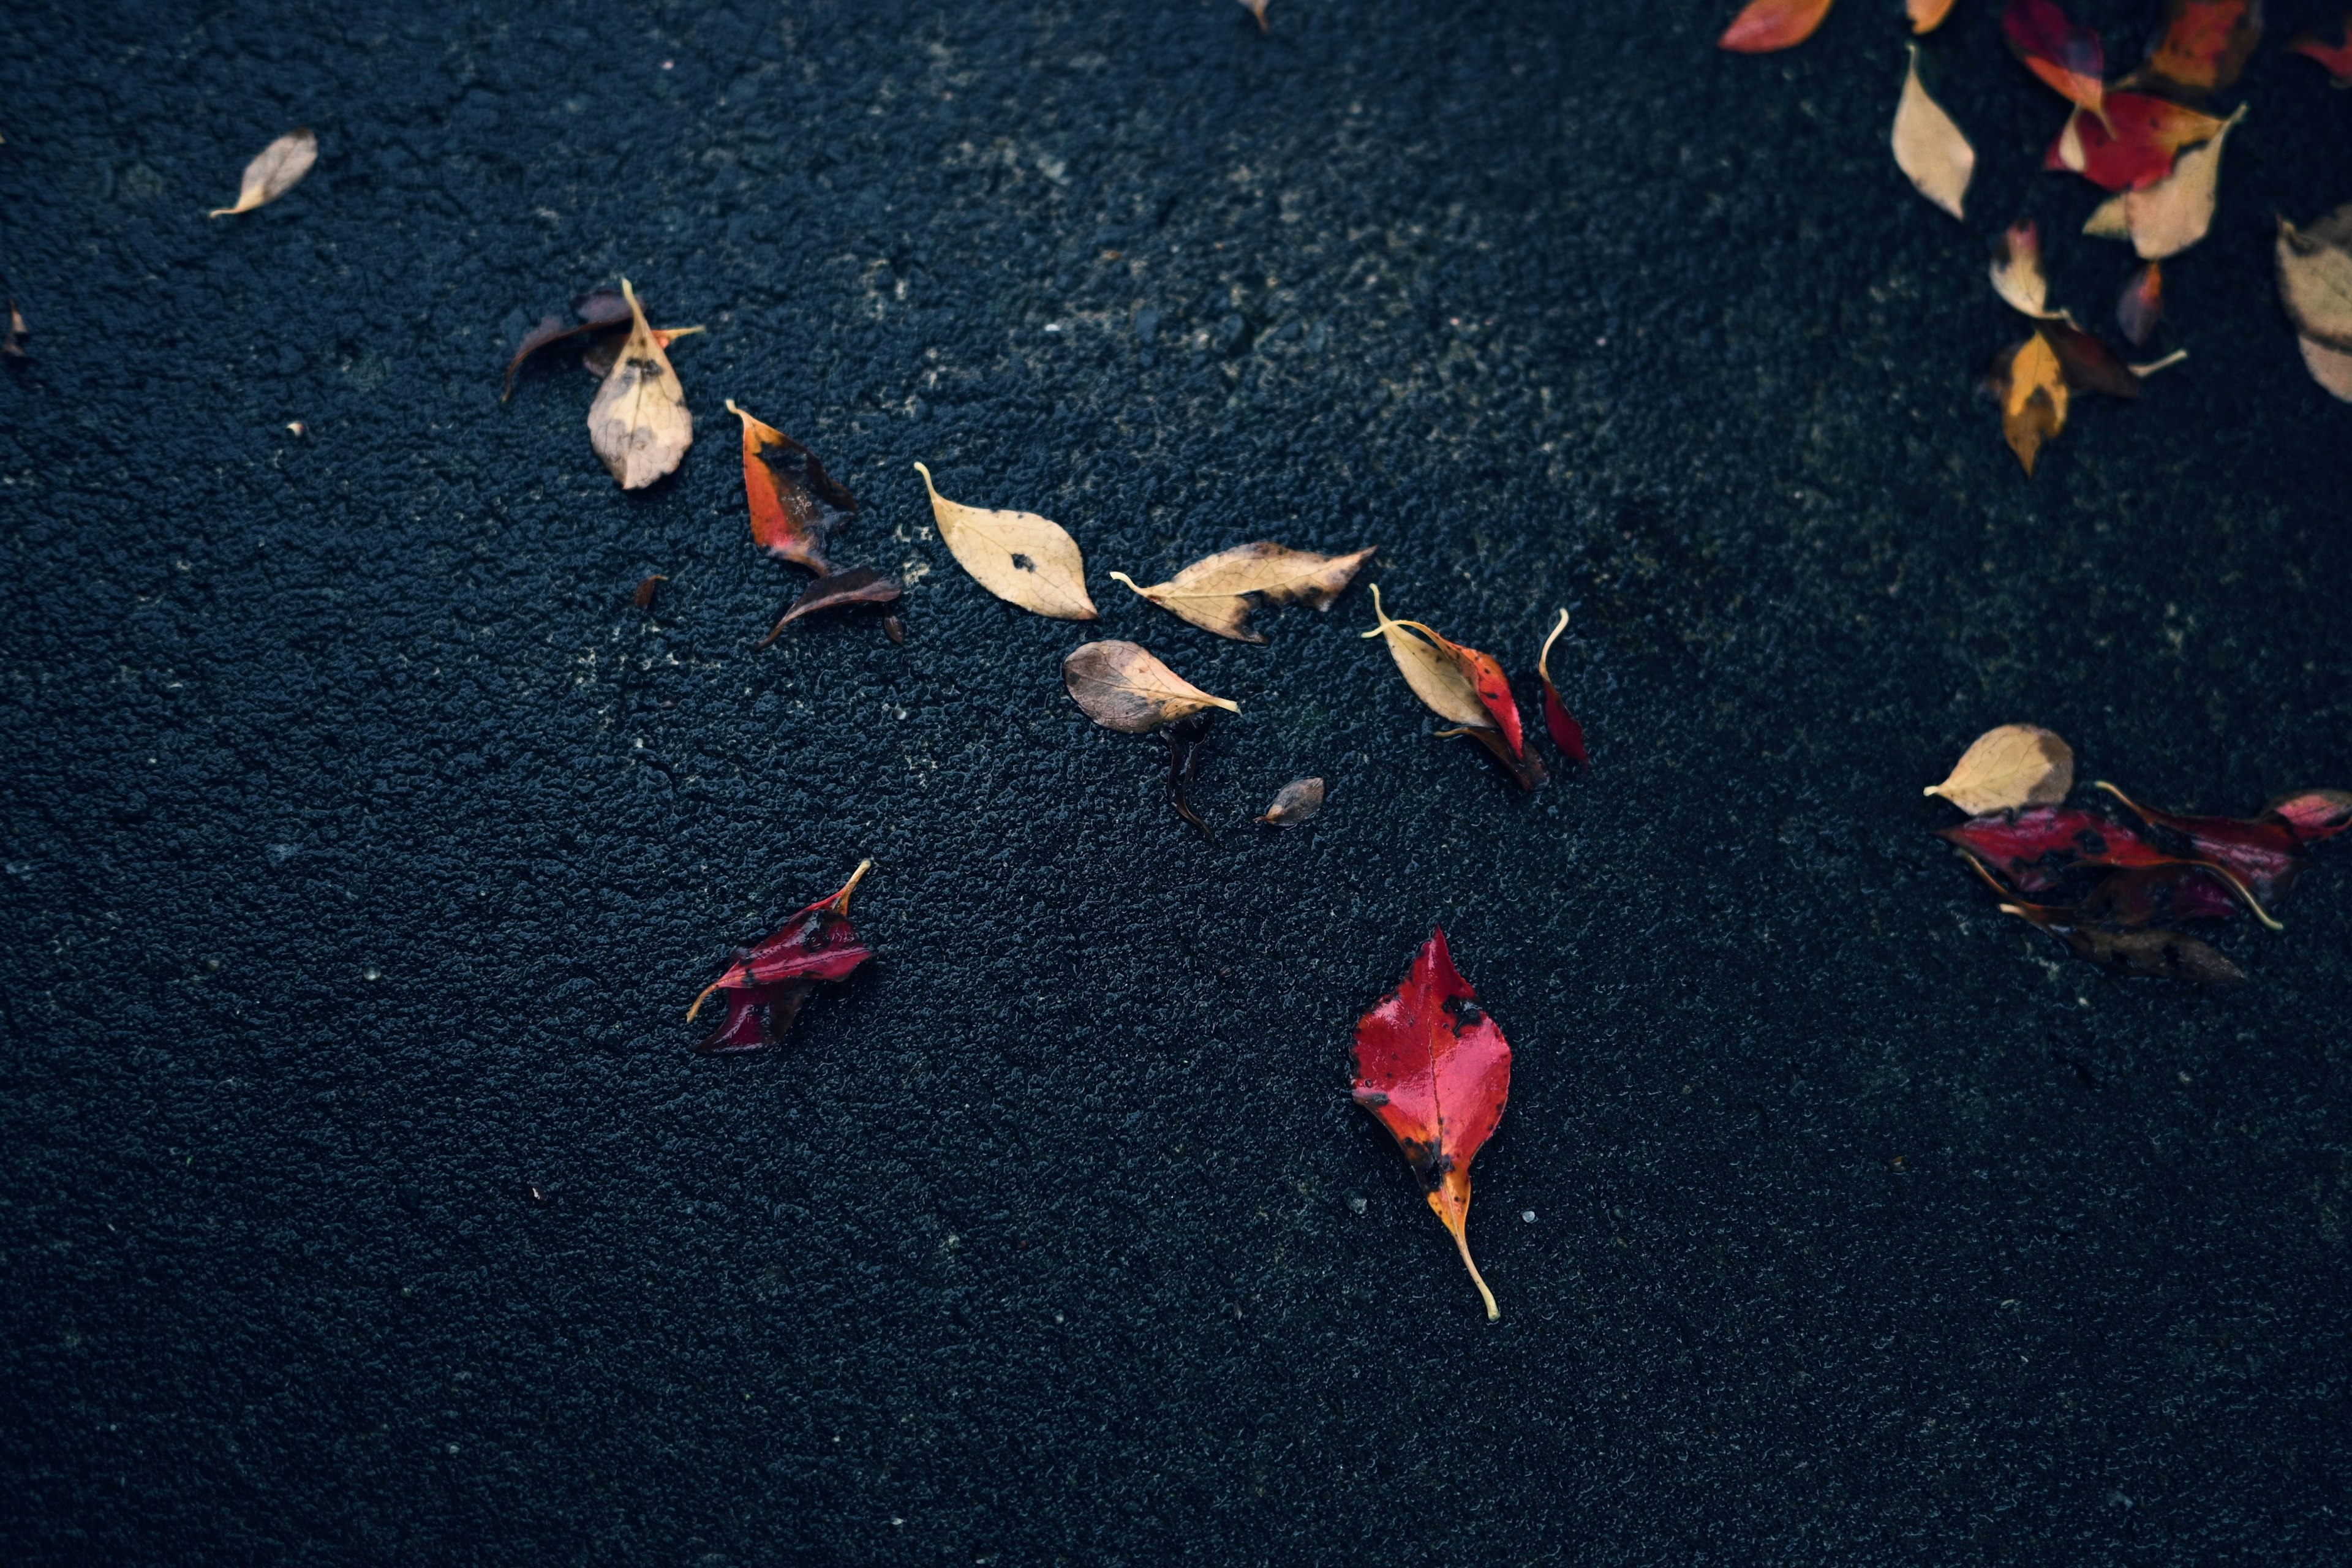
{"x": 1543, "y": 659}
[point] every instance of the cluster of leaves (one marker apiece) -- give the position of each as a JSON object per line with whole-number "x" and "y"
{"x": 2117, "y": 892}
{"x": 1468, "y": 688}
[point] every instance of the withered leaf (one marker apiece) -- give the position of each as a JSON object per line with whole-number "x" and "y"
{"x": 2017, "y": 274}
{"x": 275, "y": 170}
{"x": 12, "y": 345}
{"x": 2205, "y": 43}
{"x": 643, "y": 598}
{"x": 1294, "y": 803}
{"x": 1430, "y": 669}
{"x": 1764, "y": 25}
{"x": 1565, "y": 731}
{"x": 639, "y": 423}
{"x": 859, "y": 585}
{"x": 2088, "y": 364}
{"x": 1018, "y": 556}
{"x": 2332, "y": 368}
{"x": 1218, "y": 591}
{"x": 795, "y": 504}
{"x": 1928, "y": 144}
{"x": 2013, "y": 765}
{"x": 2154, "y": 954}
{"x": 1927, "y": 15}
{"x": 598, "y": 310}
{"x": 2168, "y": 217}
{"x": 2315, "y": 274}
{"x": 606, "y": 344}
{"x": 765, "y": 984}
{"x": 2066, "y": 58}
{"x": 1256, "y": 8}
{"x": 2141, "y": 304}
{"x": 1122, "y": 687}
{"x": 2033, "y": 409}
{"x": 1187, "y": 738}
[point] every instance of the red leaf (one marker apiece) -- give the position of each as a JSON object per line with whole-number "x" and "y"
{"x": 2205, "y": 43}
{"x": 2067, "y": 57}
{"x": 2314, "y": 814}
{"x": 2033, "y": 849}
{"x": 1566, "y": 733}
{"x": 794, "y": 502}
{"x": 1435, "y": 1071}
{"x": 1494, "y": 693}
{"x": 2088, "y": 364}
{"x": 2265, "y": 853}
{"x": 1768, "y": 24}
{"x": 2134, "y": 147}
{"x": 769, "y": 979}
{"x": 858, "y": 585}
{"x": 2336, "y": 58}
{"x": 2141, "y": 305}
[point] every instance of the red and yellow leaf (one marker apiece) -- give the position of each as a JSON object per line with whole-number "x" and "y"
{"x": 2205, "y": 43}
{"x": 2067, "y": 58}
{"x": 1559, "y": 723}
{"x": 2134, "y": 146}
{"x": 1768, "y": 24}
{"x": 764, "y": 985}
{"x": 795, "y": 504}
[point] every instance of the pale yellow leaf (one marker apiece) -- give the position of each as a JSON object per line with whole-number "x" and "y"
{"x": 1016, "y": 555}
{"x": 2332, "y": 368}
{"x": 1218, "y": 591}
{"x": 1435, "y": 675}
{"x": 275, "y": 170}
{"x": 2017, "y": 275}
{"x": 2314, "y": 273}
{"x": 2107, "y": 220}
{"x": 2014, "y": 765}
{"x": 1122, "y": 687}
{"x": 1928, "y": 145}
{"x": 639, "y": 423}
{"x": 2173, "y": 214}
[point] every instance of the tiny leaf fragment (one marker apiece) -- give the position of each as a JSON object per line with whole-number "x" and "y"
{"x": 2141, "y": 304}
{"x": 1294, "y": 803}
{"x": 275, "y": 170}
{"x": 1764, "y": 25}
{"x": 2315, "y": 275}
{"x": 2068, "y": 59}
{"x": 859, "y": 585}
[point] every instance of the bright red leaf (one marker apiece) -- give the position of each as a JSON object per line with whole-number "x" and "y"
{"x": 2033, "y": 850}
{"x": 2066, "y": 58}
{"x": 1768, "y": 24}
{"x": 2314, "y": 814}
{"x": 766, "y": 983}
{"x": 2205, "y": 43}
{"x": 1436, "y": 1071}
{"x": 2265, "y": 853}
{"x": 2134, "y": 147}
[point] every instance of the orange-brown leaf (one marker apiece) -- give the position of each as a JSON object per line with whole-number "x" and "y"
{"x": 795, "y": 504}
{"x": 1768, "y": 24}
{"x": 2034, "y": 406}
{"x": 2205, "y": 43}
{"x": 1927, "y": 15}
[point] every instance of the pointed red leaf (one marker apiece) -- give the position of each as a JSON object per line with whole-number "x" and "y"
{"x": 757, "y": 1018}
{"x": 2314, "y": 814}
{"x": 2205, "y": 43}
{"x": 795, "y": 504}
{"x": 1559, "y": 723}
{"x": 2068, "y": 59}
{"x": 2033, "y": 849}
{"x": 2134, "y": 147}
{"x": 1767, "y": 25}
{"x": 1493, "y": 694}
{"x": 1436, "y": 1071}
{"x": 2264, "y": 853}
{"x": 2336, "y": 58}
{"x": 817, "y": 943}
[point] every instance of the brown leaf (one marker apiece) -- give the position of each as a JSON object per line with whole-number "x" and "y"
{"x": 1123, "y": 688}
{"x": 1294, "y": 803}
{"x": 2141, "y": 304}
{"x": 275, "y": 170}
{"x": 12, "y": 346}
{"x": 1929, "y": 146}
{"x": 2088, "y": 364}
{"x": 1018, "y": 556}
{"x": 859, "y": 585}
{"x": 795, "y": 504}
{"x": 1433, "y": 672}
{"x": 2156, "y": 954}
{"x": 639, "y": 423}
{"x": 2315, "y": 274}
{"x": 2174, "y": 212}
{"x": 2205, "y": 43}
{"x": 2004, "y": 768}
{"x": 1257, "y": 9}
{"x": 1218, "y": 591}
{"x": 599, "y": 311}
{"x": 1927, "y": 15}
{"x": 2034, "y": 406}
{"x": 2332, "y": 368}
{"x": 643, "y": 598}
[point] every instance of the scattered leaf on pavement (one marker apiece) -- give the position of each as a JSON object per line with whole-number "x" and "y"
{"x": 765, "y": 984}
{"x": 639, "y": 423}
{"x": 858, "y": 585}
{"x": 1018, "y": 556}
{"x": 1187, "y": 738}
{"x": 598, "y": 310}
{"x": 2035, "y": 849}
{"x": 275, "y": 170}
{"x": 1436, "y": 1071}
{"x": 1123, "y": 688}
{"x": 1430, "y": 669}
{"x": 2067, "y": 58}
{"x": 1767, "y": 25}
{"x": 1927, "y": 15}
{"x": 1256, "y": 8}
{"x": 1565, "y": 731}
{"x": 2141, "y": 304}
{"x": 604, "y": 346}
{"x": 2088, "y": 364}
{"x": 1928, "y": 145}
{"x": 2017, "y": 275}
{"x": 12, "y": 344}
{"x": 2205, "y": 43}
{"x": 2013, "y": 765}
{"x": 2336, "y": 58}
{"x": 2312, "y": 814}
{"x": 2156, "y": 954}
{"x": 1294, "y": 803}
{"x": 2168, "y": 217}
{"x": 2033, "y": 406}
{"x": 643, "y": 598}
{"x": 2332, "y": 368}
{"x": 795, "y": 504}
{"x": 2315, "y": 274}
{"x": 2265, "y": 853}
{"x": 1218, "y": 591}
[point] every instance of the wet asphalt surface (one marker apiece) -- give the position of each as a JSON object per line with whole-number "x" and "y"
{"x": 363, "y": 1200}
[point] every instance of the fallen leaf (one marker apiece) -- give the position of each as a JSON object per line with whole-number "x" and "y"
{"x": 1187, "y": 738}
{"x": 2332, "y": 368}
{"x": 859, "y": 585}
{"x": 2017, "y": 275}
{"x": 2135, "y": 143}
{"x": 894, "y": 629}
{"x": 639, "y": 423}
{"x": 1218, "y": 591}
{"x": 1928, "y": 145}
{"x": 1432, "y": 671}
{"x": 2205, "y": 43}
{"x": 598, "y": 310}
{"x": 2265, "y": 853}
{"x": 1436, "y": 1071}
{"x": 2065, "y": 58}
{"x": 2107, "y": 220}
{"x": 2036, "y": 849}
{"x": 18, "y": 334}
{"x": 2336, "y": 58}
{"x": 1256, "y": 8}
{"x": 1566, "y": 733}
{"x": 2315, "y": 274}
{"x": 2013, "y": 765}
{"x": 1927, "y": 15}
{"x": 275, "y": 170}
{"x": 2154, "y": 954}
{"x": 643, "y": 598}
{"x": 2088, "y": 364}
{"x": 2312, "y": 814}
{"x": 795, "y": 504}
{"x": 1294, "y": 803}
{"x": 2141, "y": 304}
{"x": 1016, "y": 555}
{"x": 766, "y": 983}
{"x": 1123, "y": 688}
{"x": 1767, "y": 25}
{"x": 2157, "y": 895}
{"x": 2174, "y": 212}
{"x": 2034, "y": 408}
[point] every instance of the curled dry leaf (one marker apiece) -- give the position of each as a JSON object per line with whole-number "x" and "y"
{"x": 1765, "y": 25}
{"x": 2017, "y": 275}
{"x": 2168, "y": 217}
{"x": 1294, "y": 803}
{"x": 795, "y": 504}
{"x": 2153, "y": 954}
{"x": 2205, "y": 43}
{"x": 2336, "y": 58}
{"x": 2013, "y": 765}
{"x": 859, "y": 585}
{"x": 1559, "y": 723}
{"x": 1122, "y": 687}
{"x": 639, "y": 423}
{"x": 1927, "y": 15}
{"x": 2141, "y": 304}
{"x": 2332, "y": 368}
{"x": 275, "y": 170}
{"x": 1187, "y": 738}
{"x": 1928, "y": 146}
{"x": 1430, "y": 669}
{"x": 1218, "y": 591}
{"x": 12, "y": 343}
{"x": 2033, "y": 406}
{"x": 1018, "y": 556}
{"x": 764, "y": 986}
{"x": 1436, "y": 1071}
{"x": 2065, "y": 58}
{"x": 2315, "y": 274}
{"x": 643, "y": 598}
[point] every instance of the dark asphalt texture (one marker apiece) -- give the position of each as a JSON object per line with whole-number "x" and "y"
{"x": 363, "y": 1200}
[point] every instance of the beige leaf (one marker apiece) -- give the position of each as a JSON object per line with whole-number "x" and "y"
{"x": 639, "y": 423}
{"x": 2315, "y": 272}
{"x": 275, "y": 170}
{"x": 1435, "y": 675}
{"x": 2173, "y": 214}
{"x": 2107, "y": 220}
{"x": 2152, "y": 366}
{"x": 2332, "y": 368}
{"x": 1215, "y": 592}
{"x": 1123, "y": 688}
{"x": 2017, "y": 275}
{"x": 1928, "y": 145}
{"x": 2017, "y": 764}
{"x": 1015, "y": 555}
{"x": 1295, "y": 802}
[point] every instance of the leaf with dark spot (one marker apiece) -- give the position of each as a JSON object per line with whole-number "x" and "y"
{"x": 2152, "y": 954}
{"x": 859, "y": 585}
{"x": 764, "y": 985}
{"x": 795, "y": 504}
